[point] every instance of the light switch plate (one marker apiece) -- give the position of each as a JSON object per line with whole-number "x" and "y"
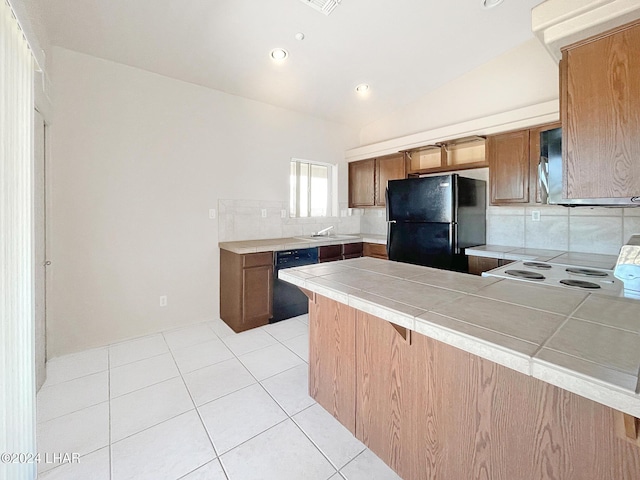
{"x": 212, "y": 213}
{"x": 535, "y": 216}
{"x": 283, "y": 213}
{"x": 264, "y": 213}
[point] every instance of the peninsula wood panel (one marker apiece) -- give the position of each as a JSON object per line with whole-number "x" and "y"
{"x": 600, "y": 111}
{"x": 509, "y": 167}
{"x": 432, "y": 411}
{"x": 362, "y": 183}
{"x": 332, "y": 369}
{"x": 391, "y": 167}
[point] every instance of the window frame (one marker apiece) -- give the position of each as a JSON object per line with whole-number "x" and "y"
{"x": 332, "y": 182}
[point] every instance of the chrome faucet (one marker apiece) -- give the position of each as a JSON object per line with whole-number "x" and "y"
{"x": 323, "y": 232}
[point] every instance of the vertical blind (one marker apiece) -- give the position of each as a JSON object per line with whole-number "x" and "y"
{"x": 17, "y": 385}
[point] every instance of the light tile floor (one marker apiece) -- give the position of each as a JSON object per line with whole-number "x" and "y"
{"x": 196, "y": 403}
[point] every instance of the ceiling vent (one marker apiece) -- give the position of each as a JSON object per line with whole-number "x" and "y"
{"x": 324, "y": 6}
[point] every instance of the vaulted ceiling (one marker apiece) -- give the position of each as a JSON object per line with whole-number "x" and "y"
{"x": 403, "y": 49}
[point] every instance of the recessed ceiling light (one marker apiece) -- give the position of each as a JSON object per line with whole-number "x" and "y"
{"x": 490, "y": 3}
{"x": 362, "y": 88}
{"x": 279, "y": 54}
{"x": 299, "y": 36}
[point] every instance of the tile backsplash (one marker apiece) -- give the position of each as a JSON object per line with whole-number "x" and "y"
{"x": 581, "y": 229}
{"x": 243, "y": 220}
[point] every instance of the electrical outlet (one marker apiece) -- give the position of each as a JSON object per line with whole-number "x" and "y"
{"x": 163, "y": 300}
{"x": 264, "y": 213}
{"x": 212, "y": 213}
{"x": 535, "y": 216}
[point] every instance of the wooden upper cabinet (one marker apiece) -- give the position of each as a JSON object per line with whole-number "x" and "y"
{"x": 368, "y": 179}
{"x": 391, "y": 167}
{"x": 362, "y": 183}
{"x": 600, "y": 108}
{"x": 509, "y": 169}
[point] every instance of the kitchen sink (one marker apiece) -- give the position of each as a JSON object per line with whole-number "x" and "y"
{"x": 326, "y": 238}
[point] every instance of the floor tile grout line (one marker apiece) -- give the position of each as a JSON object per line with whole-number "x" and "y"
{"x": 146, "y": 386}
{"x": 318, "y": 446}
{"x": 202, "y": 423}
{"x": 45, "y": 386}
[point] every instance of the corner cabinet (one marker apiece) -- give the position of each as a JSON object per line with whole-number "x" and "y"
{"x": 246, "y": 289}
{"x": 368, "y": 179}
{"x": 600, "y": 108}
{"x": 513, "y": 165}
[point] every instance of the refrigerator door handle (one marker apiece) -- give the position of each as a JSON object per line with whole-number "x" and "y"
{"x": 453, "y": 236}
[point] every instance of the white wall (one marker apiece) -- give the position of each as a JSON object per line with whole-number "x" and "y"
{"x": 137, "y": 161}
{"x": 520, "y": 78}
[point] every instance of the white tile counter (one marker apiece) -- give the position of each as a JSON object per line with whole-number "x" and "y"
{"x": 275, "y": 244}
{"x": 502, "y": 252}
{"x": 584, "y": 343}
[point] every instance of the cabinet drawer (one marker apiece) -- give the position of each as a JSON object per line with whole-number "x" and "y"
{"x": 352, "y": 248}
{"x": 328, "y": 252}
{"x": 257, "y": 259}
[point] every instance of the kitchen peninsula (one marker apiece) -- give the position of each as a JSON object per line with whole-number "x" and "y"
{"x": 450, "y": 376}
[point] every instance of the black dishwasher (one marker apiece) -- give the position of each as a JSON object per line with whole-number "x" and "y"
{"x": 288, "y": 300}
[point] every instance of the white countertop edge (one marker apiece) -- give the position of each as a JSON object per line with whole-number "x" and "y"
{"x": 600, "y": 392}
{"x": 519, "y": 362}
{"x": 294, "y": 279}
{"x": 380, "y": 311}
{"x": 273, "y": 244}
{"x": 484, "y": 253}
{"x": 331, "y": 294}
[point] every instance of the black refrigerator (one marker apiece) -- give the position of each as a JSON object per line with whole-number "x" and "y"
{"x": 431, "y": 220}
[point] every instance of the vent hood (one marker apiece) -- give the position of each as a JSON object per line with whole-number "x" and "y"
{"x": 558, "y": 23}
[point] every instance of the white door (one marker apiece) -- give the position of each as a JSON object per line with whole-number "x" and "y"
{"x": 40, "y": 246}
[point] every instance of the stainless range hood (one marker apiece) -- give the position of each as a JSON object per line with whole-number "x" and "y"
{"x": 550, "y": 173}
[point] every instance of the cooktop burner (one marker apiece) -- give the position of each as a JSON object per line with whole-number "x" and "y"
{"x": 579, "y": 283}
{"x": 538, "y": 265}
{"x": 525, "y": 274}
{"x": 587, "y": 272}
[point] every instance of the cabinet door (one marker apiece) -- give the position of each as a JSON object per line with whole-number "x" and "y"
{"x": 388, "y": 168}
{"x": 332, "y": 356}
{"x": 362, "y": 183}
{"x": 257, "y": 295}
{"x": 509, "y": 167}
{"x": 600, "y": 108}
{"x": 375, "y": 250}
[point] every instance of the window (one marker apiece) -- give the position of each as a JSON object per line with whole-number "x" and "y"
{"x": 310, "y": 185}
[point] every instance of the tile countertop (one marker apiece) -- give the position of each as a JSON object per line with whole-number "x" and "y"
{"x": 595, "y": 260}
{"x": 275, "y": 244}
{"x": 585, "y": 343}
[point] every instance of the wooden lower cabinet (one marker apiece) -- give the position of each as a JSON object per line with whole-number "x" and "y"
{"x": 432, "y": 411}
{"x": 246, "y": 289}
{"x": 375, "y": 250}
